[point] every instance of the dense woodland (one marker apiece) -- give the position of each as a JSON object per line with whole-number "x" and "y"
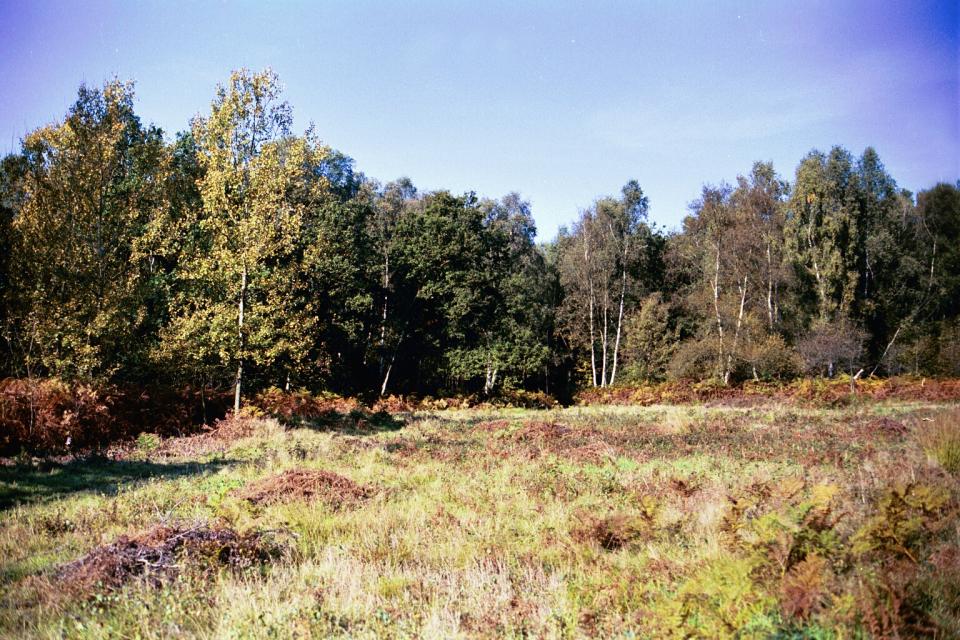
{"x": 240, "y": 255}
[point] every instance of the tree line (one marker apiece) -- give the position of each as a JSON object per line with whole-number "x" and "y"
{"x": 240, "y": 255}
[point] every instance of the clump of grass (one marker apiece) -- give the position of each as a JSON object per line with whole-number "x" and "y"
{"x": 147, "y": 442}
{"x": 941, "y": 439}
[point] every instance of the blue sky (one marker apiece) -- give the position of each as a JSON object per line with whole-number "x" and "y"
{"x": 561, "y": 102}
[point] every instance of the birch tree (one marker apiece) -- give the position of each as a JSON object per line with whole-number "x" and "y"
{"x": 391, "y": 204}
{"x": 601, "y": 263}
{"x": 234, "y": 303}
{"x": 759, "y": 201}
{"x": 821, "y": 228}
{"x": 729, "y": 254}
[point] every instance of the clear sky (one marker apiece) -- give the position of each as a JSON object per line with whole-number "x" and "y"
{"x": 562, "y": 102}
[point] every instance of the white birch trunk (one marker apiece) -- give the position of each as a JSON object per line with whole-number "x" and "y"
{"x": 616, "y": 344}
{"x": 716, "y": 308}
{"x": 593, "y": 356}
{"x": 243, "y": 295}
{"x": 606, "y": 306}
{"x": 769, "y": 289}
{"x": 736, "y": 331}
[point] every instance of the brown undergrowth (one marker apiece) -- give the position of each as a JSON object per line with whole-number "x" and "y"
{"x": 217, "y": 438}
{"x": 616, "y": 530}
{"x": 806, "y": 391}
{"x": 666, "y": 522}
{"x": 334, "y": 490}
{"x": 534, "y": 438}
{"x": 51, "y": 416}
{"x": 160, "y": 554}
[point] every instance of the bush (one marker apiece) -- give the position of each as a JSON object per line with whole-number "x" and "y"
{"x": 773, "y": 359}
{"x": 819, "y": 391}
{"x": 298, "y": 406}
{"x": 649, "y": 342}
{"x": 832, "y": 347}
{"x": 694, "y": 360}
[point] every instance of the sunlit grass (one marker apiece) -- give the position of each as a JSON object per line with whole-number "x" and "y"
{"x": 578, "y": 522}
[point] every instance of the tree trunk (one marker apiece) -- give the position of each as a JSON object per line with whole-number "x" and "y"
{"x": 603, "y": 342}
{"x": 736, "y": 331}
{"x": 386, "y": 298}
{"x": 884, "y": 354}
{"x": 716, "y": 308}
{"x": 386, "y": 375}
{"x": 933, "y": 261}
{"x": 616, "y": 345}
{"x": 490, "y": 380}
{"x": 589, "y": 279}
{"x": 769, "y": 289}
{"x": 821, "y": 290}
{"x": 593, "y": 356}
{"x": 776, "y": 302}
{"x": 386, "y": 379}
{"x": 203, "y": 401}
{"x": 243, "y": 295}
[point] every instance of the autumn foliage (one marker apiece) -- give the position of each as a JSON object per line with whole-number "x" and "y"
{"x": 53, "y": 416}
{"x": 816, "y": 390}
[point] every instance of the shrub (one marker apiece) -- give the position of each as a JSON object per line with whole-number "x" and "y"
{"x": 147, "y": 442}
{"x": 694, "y": 360}
{"x": 721, "y": 600}
{"x": 526, "y": 399}
{"x": 831, "y": 347}
{"x": 772, "y": 358}
{"x": 804, "y": 588}
{"x": 297, "y": 406}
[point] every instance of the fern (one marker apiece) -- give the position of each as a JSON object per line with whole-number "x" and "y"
{"x": 804, "y": 588}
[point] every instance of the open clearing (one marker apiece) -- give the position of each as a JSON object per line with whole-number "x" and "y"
{"x": 682, "y": 521}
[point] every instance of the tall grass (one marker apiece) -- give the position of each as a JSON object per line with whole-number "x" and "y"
{"x": 941, "y": 439}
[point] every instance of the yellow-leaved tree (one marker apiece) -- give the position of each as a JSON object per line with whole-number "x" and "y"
{"x": 88, "y": 189}
{"x": 239, "y": 301}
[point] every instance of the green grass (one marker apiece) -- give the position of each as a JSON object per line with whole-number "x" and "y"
{"x": 620, "y": 522}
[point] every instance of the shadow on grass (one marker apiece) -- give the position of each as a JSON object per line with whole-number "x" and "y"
{"x": 22, "y": 484}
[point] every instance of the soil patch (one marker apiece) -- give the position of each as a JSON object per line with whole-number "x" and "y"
{"x": 311, "y": 484}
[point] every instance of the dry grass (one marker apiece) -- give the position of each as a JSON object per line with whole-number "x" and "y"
{"x": 666, "y": 521}
{"x": 940, "y": 436}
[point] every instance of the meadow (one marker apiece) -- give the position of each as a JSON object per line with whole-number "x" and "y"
{"x": 774, "y": 519}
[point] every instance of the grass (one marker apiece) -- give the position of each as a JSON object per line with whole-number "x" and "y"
{"x": 612, "y": 521}
{"x": 941, "y": 439}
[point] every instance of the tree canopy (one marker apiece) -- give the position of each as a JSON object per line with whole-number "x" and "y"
{"x": 241, "y": 255}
